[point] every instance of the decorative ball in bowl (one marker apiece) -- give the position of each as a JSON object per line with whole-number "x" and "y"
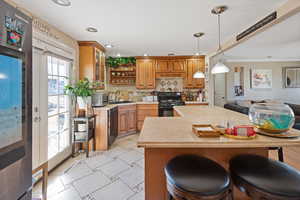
{"x": 272, "y": 118}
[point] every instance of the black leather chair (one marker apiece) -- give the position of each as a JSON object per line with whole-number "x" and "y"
{"x": 265, "y": 179}
{"x": 190, "y": 177}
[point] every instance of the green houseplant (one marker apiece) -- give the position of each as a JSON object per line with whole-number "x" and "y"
{"x": 81, "y": 92}
{"x": 120, "y": 61}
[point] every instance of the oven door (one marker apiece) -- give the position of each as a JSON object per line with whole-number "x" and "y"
{"x": 166, "y": 112}
{"x": 12, "y": 106}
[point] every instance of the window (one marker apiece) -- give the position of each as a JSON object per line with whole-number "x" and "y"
{"x": 58, "y": 106}
{"x": 292, "y": 77}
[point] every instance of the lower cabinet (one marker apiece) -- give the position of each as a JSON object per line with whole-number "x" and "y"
{"x": 126, "y": 119}
{"x": 143, "y": 111}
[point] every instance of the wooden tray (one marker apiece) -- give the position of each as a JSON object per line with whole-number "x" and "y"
{"x": 288, "y": 134}
{"x": 205, "y": 133}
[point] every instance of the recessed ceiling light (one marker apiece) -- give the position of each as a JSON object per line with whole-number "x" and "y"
{"x": 197, "y": 54}
{"x": 145, "y": 54}
{"x": 109, "y": 46}
{"x": 118, "y": 55}
{"x": 62, "y": 2}
{"x": 171, "y": 54}
{"x": 92, "y": 29}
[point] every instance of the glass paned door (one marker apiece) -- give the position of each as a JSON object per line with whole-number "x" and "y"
{"x": 59, "y": 134}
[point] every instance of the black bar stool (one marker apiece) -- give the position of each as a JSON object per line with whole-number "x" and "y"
{"x": 191, "y": 177}
{"x": 263, "y": 178}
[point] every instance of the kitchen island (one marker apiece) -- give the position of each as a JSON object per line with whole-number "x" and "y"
{"x": 165, "y": 138}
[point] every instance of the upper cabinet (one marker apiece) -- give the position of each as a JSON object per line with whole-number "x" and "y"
{"x": 92, "y": 62}
{"x": 151, "y": 68}
{"x": 170, "y": 66}
{"x": 145, "y": 74}
{"x": 194, "y": 65}
{"x": 163, "y": 66}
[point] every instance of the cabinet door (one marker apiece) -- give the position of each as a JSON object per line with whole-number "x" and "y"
{"x": 178, "y": 65}
{"x": 102, "y": 69}
{"x": 122, "y": 125}
{"x": 131, "y": 120}
{"x": 99, "y": 68}
{"x": 145, "y": 74}
{"x": 193, "y": 65}
{"x": 199, "y": 66}
{"x": 140, "y": 74}
{"x": 150, "y": 74}
{"x": 162, "y": 66}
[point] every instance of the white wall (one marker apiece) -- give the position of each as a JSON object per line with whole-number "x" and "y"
{"x": 291, "y": 95}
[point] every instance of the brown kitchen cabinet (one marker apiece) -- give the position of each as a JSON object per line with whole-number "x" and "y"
{"x": 170, "y": 66}
{"x": 162, "y": 66}
{"x": 92, "y": 62}
{"x": 143, "y": 111}
{"x": 145, "y": 74}
{"x": 194, "y": 65}
{"x": 126, "y": 119}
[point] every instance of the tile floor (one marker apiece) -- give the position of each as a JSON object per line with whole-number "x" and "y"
{"x": 117, "y": 174}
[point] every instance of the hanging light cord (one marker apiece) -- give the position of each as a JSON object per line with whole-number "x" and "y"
{"x": 219, "y": 26}
{"x": 197, "y": 44}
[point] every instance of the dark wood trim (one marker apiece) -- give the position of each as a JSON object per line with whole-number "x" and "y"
{"x": 92, "y": 43}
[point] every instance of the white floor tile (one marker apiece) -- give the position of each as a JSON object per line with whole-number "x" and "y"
{"x": 131, "y": 156}
{"x": 116, "y": 174}
{"x": 114, "y": 168}
{"x": 91, "y": 183}
{"x": 114, "y": 191}
{"x": 133, "y": 176}
{"x": 55, "y": 186}
{"x": 97, "y": 160}
{"x": 77, "y": 171}
{"x": 139, "y": 187}
{"x": 114, "y": 152}
{"x": 68, "y": 194}
{"x": 138, "y": 196}
{"x": 141, "y": 163}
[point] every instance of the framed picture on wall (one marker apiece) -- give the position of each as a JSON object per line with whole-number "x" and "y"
{"x": 261, "y": 78}
{"x": 291, "y": 77}
{"x": 238, "y": 81}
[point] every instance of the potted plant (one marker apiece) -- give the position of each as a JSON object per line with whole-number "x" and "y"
{"x": 81, "y": 92}
{"x": 122, "y": 61}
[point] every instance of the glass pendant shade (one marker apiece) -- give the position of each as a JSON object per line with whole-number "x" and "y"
{"x": 220, "y": 68}
{"x": 199, "y": 74}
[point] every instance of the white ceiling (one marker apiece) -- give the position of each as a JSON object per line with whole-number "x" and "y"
{"x": 155, "y": 27}
{"x": 280, "y": 42}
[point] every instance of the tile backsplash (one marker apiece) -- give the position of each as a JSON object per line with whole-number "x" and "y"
{"x": 169, "y": 85}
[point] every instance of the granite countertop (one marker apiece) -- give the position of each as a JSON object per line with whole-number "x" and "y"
{"x": 196, "y": 102}
{"x": 110, "y": 106}
{"x": 176, "y": 132}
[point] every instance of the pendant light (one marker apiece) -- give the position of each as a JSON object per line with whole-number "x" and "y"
{"x": 198, "y": 74}
{"x": 220, "y": 67}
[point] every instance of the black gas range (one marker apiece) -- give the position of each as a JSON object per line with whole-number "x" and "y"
{"x": 166, "y": 102}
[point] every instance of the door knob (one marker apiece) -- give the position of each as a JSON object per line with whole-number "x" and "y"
{"x": 36, "y": 119}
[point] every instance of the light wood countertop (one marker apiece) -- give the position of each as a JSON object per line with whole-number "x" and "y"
{"x": 176, "y": 132}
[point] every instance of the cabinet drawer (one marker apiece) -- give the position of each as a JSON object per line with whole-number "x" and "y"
{"x": 127, "y": 107}
{"x": 147, "y": 106}
{"x": 141, "y": 115}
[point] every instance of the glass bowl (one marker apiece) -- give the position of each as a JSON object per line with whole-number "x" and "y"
{"x": 272, "y": 118}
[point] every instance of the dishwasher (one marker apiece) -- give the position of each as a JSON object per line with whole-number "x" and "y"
{"x": 112, "y": 125}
